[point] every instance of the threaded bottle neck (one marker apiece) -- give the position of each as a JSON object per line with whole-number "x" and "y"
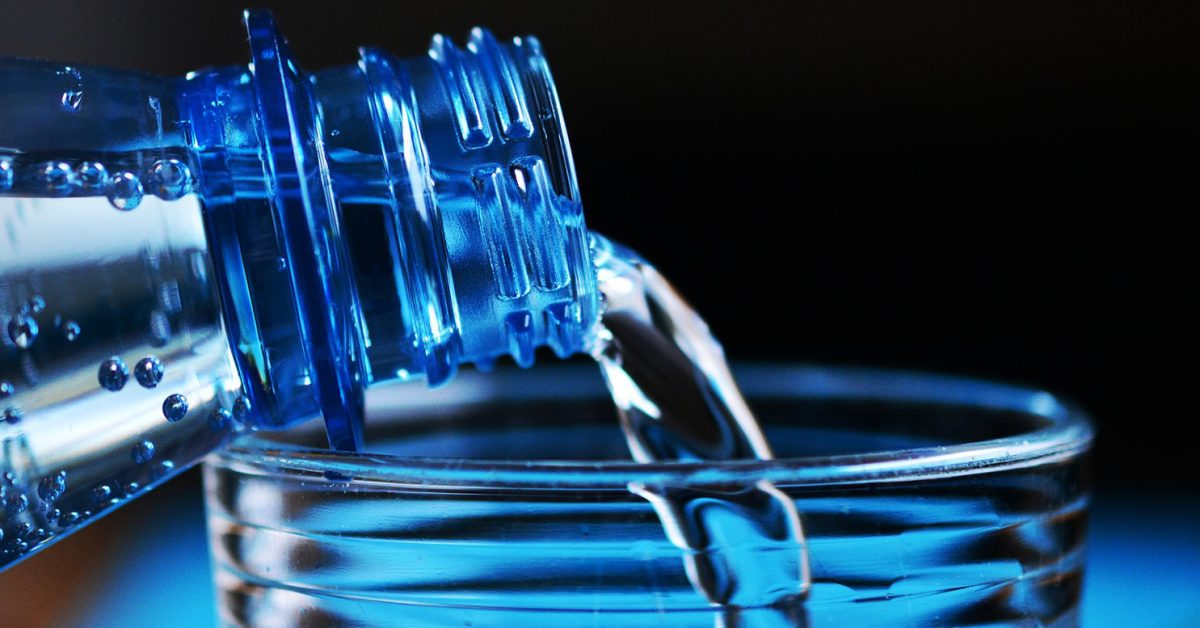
{"x": 386, "y": 220}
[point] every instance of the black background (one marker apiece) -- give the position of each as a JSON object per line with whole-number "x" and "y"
{"x": 992, "y": 188}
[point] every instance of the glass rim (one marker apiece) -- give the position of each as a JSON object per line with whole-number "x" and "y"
{"x": 1066, "y": 433}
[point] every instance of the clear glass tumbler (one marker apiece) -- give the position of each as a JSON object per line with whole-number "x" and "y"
{"x": 505, "y": 500}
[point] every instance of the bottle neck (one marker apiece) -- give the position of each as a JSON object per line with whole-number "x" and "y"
{"x": 387, "y": 220}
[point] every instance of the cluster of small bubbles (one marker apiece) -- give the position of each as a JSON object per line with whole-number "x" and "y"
{"x": 219, "y": 420}
{"x": 148, "y": 371}
{"x": 6, "y": 389}
{"x": 22, "y": 330}
{"x": 101, "y": 495}
{"x": 70, "y": 330}
{"x": 54, "y": 515}
{"x": 113, "y": 374}
{"x": 91, "y": 176}
{"x": 241, "y": 409}
{"x": 57, "y": 177}
{"x": 15, "y": 503}
{"x": 175, "y": 407}
{"x": 12, "y": 415}
{"x": 29, "y": 534}
{"x": 171, "y": 178}
{"x": 35, "y": 304}
{"x": 51, "y": 487}
{"x": 6, "y": 174}
{"x": 160, "y": 328}
{"x": 143, "y": 452}
{"x": 124, "y": 191}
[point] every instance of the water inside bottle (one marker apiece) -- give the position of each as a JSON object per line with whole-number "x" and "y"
{"x": 114, "y": 364}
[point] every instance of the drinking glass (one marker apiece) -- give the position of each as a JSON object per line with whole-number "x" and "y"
{"x": 506, "y": 499}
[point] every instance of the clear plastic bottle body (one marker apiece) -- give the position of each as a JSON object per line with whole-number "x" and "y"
{"x": 251, "y": 247}
{"x": 110, "y": 315}
{"x": 128, "y": 301}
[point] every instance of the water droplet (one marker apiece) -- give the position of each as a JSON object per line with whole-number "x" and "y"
{"x": 6, "y": 174}
{"x": 175, "y": 407}
{"x": 148, "y": 371}
{"x": 219, "y": 420}
{"x": 163, "y": 468}
{"x": 171, "y": 178}
{"x": 8, "y": 478}
{"x": 35, "y": 304}
{"x": 12, "y": 416}
{"x": 16, "y": 504}
{"x": 160, "y": 328}
{"x": 22, "y": 330}
{"x": 70, "y": 331}
{"x": 124, "y": 191}
{"x": 69, "y": 519}
{"x": 72, "y": 99}
{"x": 72, "y": 96}
{"x": 53, "y": 515}
{"x": 131, "y": 488}
{"x": 280, "y": 264}
{"x": 57, "y": 177}
{"x": 101, "y": 495}
{"x": 241, "y": 409}
{"x": 143, "y": 452}
{"x": 113, "y": 374}
{"x": 6, "y": 389}
{"x": 51, "y": 487}
{"x": 91, "y": 176}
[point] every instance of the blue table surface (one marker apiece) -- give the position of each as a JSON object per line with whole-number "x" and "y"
{"x": 1143, "y": 566}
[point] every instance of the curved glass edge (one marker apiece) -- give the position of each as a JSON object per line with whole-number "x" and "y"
{"x": 1067, "y": 433}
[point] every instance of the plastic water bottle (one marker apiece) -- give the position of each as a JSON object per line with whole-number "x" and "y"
{"x": 253, "y": 246}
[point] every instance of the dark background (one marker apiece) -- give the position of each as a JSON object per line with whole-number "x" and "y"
{"x": 991, "y": 188}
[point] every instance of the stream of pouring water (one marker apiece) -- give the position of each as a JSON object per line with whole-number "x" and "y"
{"x": 677, "y": 400}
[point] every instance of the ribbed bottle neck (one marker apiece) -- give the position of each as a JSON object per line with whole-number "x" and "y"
{"x": 390, "y": 219}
